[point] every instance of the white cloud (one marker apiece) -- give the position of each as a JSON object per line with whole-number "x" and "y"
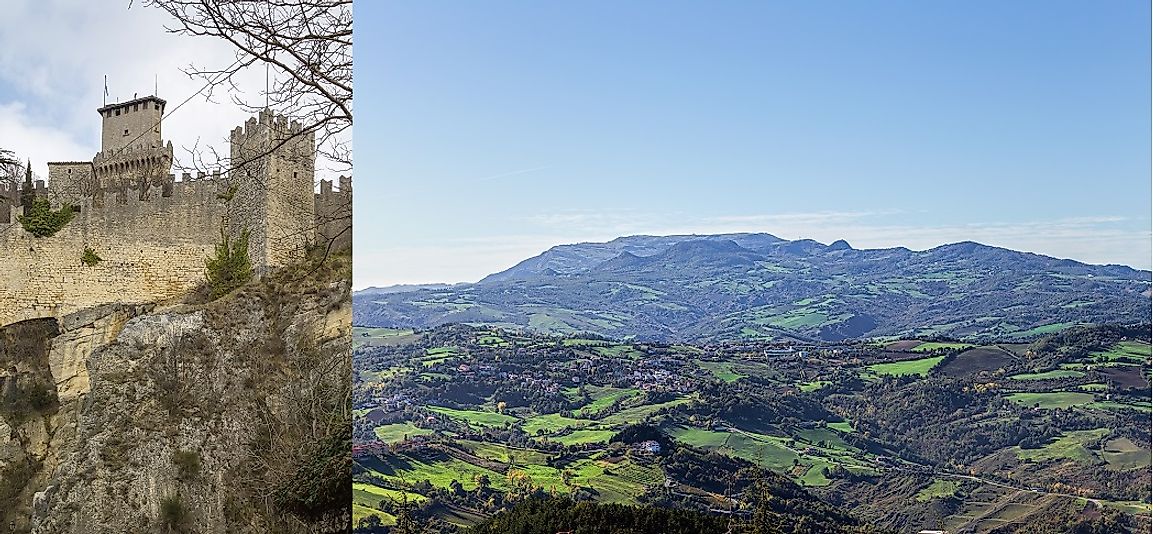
{"x": 35, "y": 141}
{"x": 54, "y": 55}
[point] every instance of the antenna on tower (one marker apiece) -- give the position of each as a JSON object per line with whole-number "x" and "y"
{"x": 105, "y": 89}
{"x": 266, "y": 87}
{"x": 155, "y": 85}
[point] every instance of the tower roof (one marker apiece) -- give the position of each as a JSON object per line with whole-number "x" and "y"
{"x": 118, "y": 105}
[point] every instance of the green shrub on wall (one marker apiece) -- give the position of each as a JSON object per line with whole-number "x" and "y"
{"x": 43, "y": 221}
{"x": 230, "y": 267}
{"x": 90, "y": 258}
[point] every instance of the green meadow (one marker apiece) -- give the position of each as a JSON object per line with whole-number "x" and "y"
{"x": 908, "y": 367}
{"x": 1055, "y": 399}
{"x": 475, "y": 417}
{"x": 1049, "y": 375}
{"x": 394, "y": 432}
{"x": 721, "y": 370}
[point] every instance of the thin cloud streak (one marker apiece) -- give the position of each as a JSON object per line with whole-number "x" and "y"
{"x": 509, "y": 174}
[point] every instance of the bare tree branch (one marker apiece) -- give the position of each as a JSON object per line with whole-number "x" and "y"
{"x": 306, "y": 45}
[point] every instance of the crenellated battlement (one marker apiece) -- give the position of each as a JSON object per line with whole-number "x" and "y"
{"x": 334, "y": 213}
{"x": 267, "y": 129}
{"x": 170, "y": 195}
{"x": 153, "y": 229}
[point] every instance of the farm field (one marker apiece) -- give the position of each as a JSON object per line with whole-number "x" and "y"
{"x": 1049, "y": 375}
{"x": 475, "y": 417}
{"x": 399, "y": 431}
{"x": 1056, "y": 399}
{"x": 1071, "y": 445}
{"x": 978, "y": 359}
{"x": 722, "y": 370}
{"x": 468, "y": 417}
{"x": 938, "y": 489}
{"x": 909, "y": 367}
{"x": 933, "y": 345}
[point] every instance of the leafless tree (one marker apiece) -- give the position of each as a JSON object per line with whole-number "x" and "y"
{"x": 306, "y": 45}
{"x": 11, "y": 171}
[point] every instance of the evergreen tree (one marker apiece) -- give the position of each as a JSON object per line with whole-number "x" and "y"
{"x": 230, "y": 267}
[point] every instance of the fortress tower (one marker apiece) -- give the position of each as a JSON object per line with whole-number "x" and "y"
{"x": 133, "y": 158}
{"x": 273, "y": 172}
{"x": 135, "y": 122}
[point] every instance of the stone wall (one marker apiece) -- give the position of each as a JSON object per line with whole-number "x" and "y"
{"x": 70, "y": 181}
{"x": 151, "y": 250}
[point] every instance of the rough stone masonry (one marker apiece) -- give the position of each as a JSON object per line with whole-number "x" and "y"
{"x": 154, "y": 232}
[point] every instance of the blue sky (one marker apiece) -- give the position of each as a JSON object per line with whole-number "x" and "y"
{"x": 489, "y": 131}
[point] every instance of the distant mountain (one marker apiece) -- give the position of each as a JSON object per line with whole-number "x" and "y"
{"x": 731, "y": 286}
{"x": 402, "y": 288}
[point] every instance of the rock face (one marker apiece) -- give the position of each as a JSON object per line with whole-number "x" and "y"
{"x": 198, "y": 418}
{"x": 44, "y": 377}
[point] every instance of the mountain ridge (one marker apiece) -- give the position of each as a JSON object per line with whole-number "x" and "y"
{"x": 757, "y": 286}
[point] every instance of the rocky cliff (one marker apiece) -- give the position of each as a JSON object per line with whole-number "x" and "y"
{"x": 231, "y": 416}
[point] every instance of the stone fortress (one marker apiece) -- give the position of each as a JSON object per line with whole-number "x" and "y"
{"x": 153, "y": 231}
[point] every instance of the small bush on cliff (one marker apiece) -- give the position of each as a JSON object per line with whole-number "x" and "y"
{"x": 187, "y": 464}
{"x": 173, "y": 514}
{"x": 90, "y": 258}
{"x": 230, "y": 267}
{"x": 322, "y": 481}
{"x": 13, "y": 478}
{"x": 43, "y": 221}
{"x": 29, "y": 398}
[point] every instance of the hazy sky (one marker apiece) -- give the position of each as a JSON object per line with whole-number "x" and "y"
{"x": 489, "y": 131}
{"x": 54, "y": 55}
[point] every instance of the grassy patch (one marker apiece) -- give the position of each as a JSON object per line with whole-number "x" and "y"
{"x": 1070, "y": 445}
{"x": 1132, "y": 351}
{"x": 551, "y": 422}
{"x": 1050, "y": 400}
{"x": 1113, "y": 405}
{"x": 1041, "y": 330}
{"x": 939, "y": 489}
{"x": 369, "y": 495}
{"x": 935, "y": 345}
{"x": 1122, "y": 454}
{"x": 474, "y": 417}
{"x": 581, "y": 342}
{"x": 1049, "y": 375}
{"x": 581, "y": 437}
{"x": 640, "y": 413}
{"x": 765, "y": 451}
{"x": 380, "y": 337}
{"x": 843, "y": 426}
{"x": 823, "y": 437}
{"x": 603, "y": 397}
{"x": 360, "y": 511}
{"x": 721, "y": 370}
{"x": 438, "y": 473}
{"x": 399, "y": 431}
{"x": 908, "y": 367}
{"x": 498, "y": 452}
{"x": 813, "y": 386}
